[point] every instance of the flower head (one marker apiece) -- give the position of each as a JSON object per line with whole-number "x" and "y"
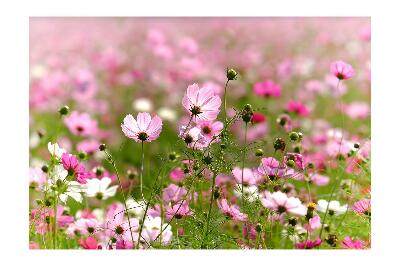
{"x": 232, "y": 211}
{"x": 267, "y": 89}
{"x": 363, "y": 206}
{"x": 143, "y": 129}
{"x": 334, "y": 207}
{"x": 81, "y": 124}
{"x": 100, "y": 189}
{"x": 350, "y": 243}
{"x": 342, "y": 70}
{"x": 279, "y": 202}
{"x": 201, "y": 103}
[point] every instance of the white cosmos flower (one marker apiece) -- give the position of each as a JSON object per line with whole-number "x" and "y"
{"x": 250, "y": 192}
{"x": 73, "y": 189}
{"x": 136, "y": 208}
{"x": 152, "y": 228}
{"x": 142, "y": 105}
{"x": 334, "y": 207}
{"x": 167, "y": 114}
{"x": 99, "y": 188}
{"x": 55, "y": 150}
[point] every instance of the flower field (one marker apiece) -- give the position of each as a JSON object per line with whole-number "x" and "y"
{"x": 199, "y": 133}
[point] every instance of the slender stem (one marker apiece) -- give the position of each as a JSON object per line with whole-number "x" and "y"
{"x": 205, "y": 234}
{"x": 141, "y": 173}
{"x": 142, "y": 223}
{"x": 226, "y": 85}
{"x": 243, "y": 160}
{"x": 123, "y": 195}
{"x": 55, "y": 221}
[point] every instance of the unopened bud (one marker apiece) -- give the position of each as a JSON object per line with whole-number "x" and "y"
{"x": 64, "y": 110}
{"x": 231, "y": 74}
{"x": 259, "y": 152}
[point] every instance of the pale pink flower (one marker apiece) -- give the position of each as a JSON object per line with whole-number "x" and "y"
{"x": 181, "y": 210}
{"x": 81, "y": 124}
{"x": 342, "y": 70}
{"x": 319, "y": 180}
{"x": 201, "y": 103}
{"x": 210, "y": 129}
{"x": 363, "y": 206}
{"x": 173, "y": 193}
{"x": 144, "y": 128}
{"x": 88, "y": 146}
{"x": 177, "y": 175}
{"x": 193, "y": 138}
{"x": 271, "y": 168}
{"x": 279, "y": 202}
{"x": 232, "y": 211}
{"x": 357, "y": 110}
{"x": 313, "y": 223}
{"x": 350, "y": 243}
{"x": 89, "y": 243}
{"x": 250, "y": 176}
{"x": 36, "y": 177}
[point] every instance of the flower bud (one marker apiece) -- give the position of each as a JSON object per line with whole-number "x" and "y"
{"x": 294, "y": 136}
{"x": 216, "y": 194}
{"x": 248, "y": 108}
{"x": 99, "y": 171}
{"x": 45, "y": 168}
{"x": 64, "y": 110}
{"x": 258, "y": 227}
{"x": 82, "y": 155}
{"x": 293, "y": 221}
{"x": 207, "y": 159}
{"x": 279, "y": 144}
{"x": 131, "y": 174}
{"x": 356, "y": 145}
{"x": 247, "y": 116}
{"x": 290, "y": 163}
{"x": 102, "y": 147}
{"x": 231, "y": 74}
{"x": 259, "y": 152}
{"x": 172, "y": 156}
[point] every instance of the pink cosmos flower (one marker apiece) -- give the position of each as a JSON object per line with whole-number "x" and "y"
{"x": 72, "y": 165}
{"x": 144, "y": 128}
{"x": 193, "y": 138}
{"x": 201, "y": 103}
{"x": 250, "y": 176}
{"x": 181, "y": 210}
{"x": 81, "y": 124}
{"x": 308, "y": 244}
{"x": 36, "y": 178}
{"x": 342, "y": 70}
{"x": 89, "y": 243}
{"x": 177, "y": 175}
{"x": 313, "y": 223}
{"x": 88, "y": 146}
{"x": 271, "y": 168}
{"x": 297, "y": 158}
{"x": 173, "y": 193}
{"x": 267, "y": 89}
{"x": 40, "y": 218}
{"x": 357, "y": 110}
{"x": 249, "y": 231}
{"x": 319, "y": 180}
{"x": 232, "y": 211}
{"x": 362, "y": 206}
{"x": 298, "y": 108}
{"x": 280, "y": 203}
{"x": 349, "y": 243}
{"x": 210, "y": 129}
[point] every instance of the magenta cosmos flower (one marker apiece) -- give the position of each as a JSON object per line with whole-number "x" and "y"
{"x": 350, "y": 243}
{"x": 201, "y": 103}
{"x": 279, "y": 202}
{"x": 363, "y": 207}
{"x": 143, "y": 129}
{"x": 342, "y": 70}
{"x": 74, "y": 168}
{"x": 267, "y": 89}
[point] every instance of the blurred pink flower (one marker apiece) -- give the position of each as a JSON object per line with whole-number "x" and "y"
{"x": 308, "y": 244}
{"x": 201, "y": 103}
{"x": 298, "y": 108}
{"x": 349, "y": 243}
{"x": 177, "y": 175}
{"x": 173, "y": 193}
{"x": 357, "y": 110}
{"x": 342, "y": 70}
{"x": 88, "y": 146}
{"x": 89, "y": 243}
{"x": 250, "y": 176}
{"x": 232, "y": 211}
{"x": 210, "y": 129}
{"x": 267, "y": 89}
{"x": 81, "y": 124}
{"x": 144, "y": 128}
{"x": 181, "y": 210}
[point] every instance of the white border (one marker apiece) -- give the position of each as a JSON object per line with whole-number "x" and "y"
{"x": 14, "y": 127}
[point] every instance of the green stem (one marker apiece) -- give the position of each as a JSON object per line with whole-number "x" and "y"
{"x": 141, "y": 173}
{"x": 243, "y": 160}
{"x": 225, "y": 116}
{"x": 205, "y": 233}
